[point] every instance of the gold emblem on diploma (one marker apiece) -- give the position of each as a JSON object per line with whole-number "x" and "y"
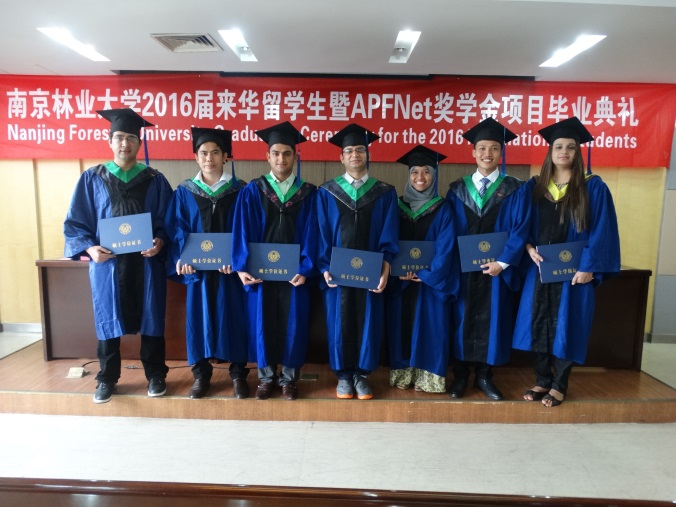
{"x": 273, "y": 256}
{"x": 356, "y": 263}
{"x": 415, "y": 253}
{"x": 565, "y": 256}
{"x": 206, "y": 245}
{"x": 125, "y": 228}
{"x": 484, "y": 246}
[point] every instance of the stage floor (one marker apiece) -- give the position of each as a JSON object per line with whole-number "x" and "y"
{"x": 30, "y": 385}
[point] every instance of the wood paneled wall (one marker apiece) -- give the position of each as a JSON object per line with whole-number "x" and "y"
{"x": 36, "y": 194}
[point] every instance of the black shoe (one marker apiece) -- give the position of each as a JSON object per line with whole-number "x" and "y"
{"x": 241, "y": 388}
{"x": 199, "y": 388}
{"x": 457, "y": 389}
{"x": 104, "y": 392}
{"x": 157, "y": 387}
{"x": 488, "y": 387}
{"x": 290, "y": 391}
{"x": 264, "y": 390}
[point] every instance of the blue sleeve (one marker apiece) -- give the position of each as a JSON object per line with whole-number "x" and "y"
{"x": 602, "y": 255}
{"x": 444, "y": 273}
{"x": 248, "y": 225}
{"x": 80, "y": 228}
{"x": 526, "y": 262}
{"x": 326, "y": 226}
{"x": 388, "y": 241}
{"x": 178, "y": 224}
{"x": 308, "y": 235}
{"x": 516, "y": 215}
{"x": 157, "y": 201}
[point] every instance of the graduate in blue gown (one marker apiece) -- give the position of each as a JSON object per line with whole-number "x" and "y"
{"x": 355, "y": 211}
{"x": 215, "y": 298}
{"x": 555, "y": 319}
{"x": 483, "y": 316}
{"x": 277, "y": 208}
{"x": 128, "y": 290}
{"x": 418, "y": 305}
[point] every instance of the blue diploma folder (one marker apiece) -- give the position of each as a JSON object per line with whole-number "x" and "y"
{"x": 127, "y": 234}
{"x": 413, "y": 256}
{"x": 207, "y": 250}
{"x": 561, "y": 261}
{"x": 478, "y": 249}
{"x": 276, "y": 262}
{"x": 356, "y": 268}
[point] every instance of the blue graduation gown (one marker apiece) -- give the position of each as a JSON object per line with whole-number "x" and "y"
{"x": 355, "y": 317}
{"x": 214, "y": 302}
{"x": 121, "y": 305}
{"x": 418, "y": 313}
{"x": 278, "y": 312}
{"x": 483, "y": 315}
{"x": 575, "y": 309}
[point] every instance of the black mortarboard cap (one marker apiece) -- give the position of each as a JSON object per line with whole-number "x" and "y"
{"x": 421, "y": 156}
{"x": 353, "y": 135}
{"x": 223, "y": 138}
{"x": 125, "y": 120}
{"x": 489, "y": 130}
{"x": 283, "y": 133}
{"x": 570, "y": 128}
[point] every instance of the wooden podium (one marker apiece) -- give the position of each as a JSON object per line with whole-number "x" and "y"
{"x": 68, "y": 321}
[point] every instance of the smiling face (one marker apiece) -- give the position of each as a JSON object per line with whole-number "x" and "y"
{"x": 563, "y": 153}
{"x": 281, "y": 158}
{"x": 420, "y": 178}
{"x": 125, "y": 148}
{"x": 354, "y": 159}
{"x": 487, "y": 155}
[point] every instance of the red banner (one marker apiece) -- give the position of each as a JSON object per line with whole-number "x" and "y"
{"x": 55, "y": 117}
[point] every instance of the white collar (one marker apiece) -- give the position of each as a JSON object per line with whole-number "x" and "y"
{"x": 225, "y": 177}
{"x": 351, "y": 180}
{"x": 286, "y": 183}
{"x": 477, "y": 176}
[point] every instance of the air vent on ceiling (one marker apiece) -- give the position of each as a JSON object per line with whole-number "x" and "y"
{"x": 187, "y": 42}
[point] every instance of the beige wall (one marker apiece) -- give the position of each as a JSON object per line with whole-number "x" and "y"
{"x": 36, "y": 195}
{"x": 639, "y": 195}
{"x": 55, "y": 181}
{"x": 20, "y": 244}
{"x": 667, "y": 258}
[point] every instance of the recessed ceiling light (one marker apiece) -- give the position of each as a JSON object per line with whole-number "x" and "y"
{"x": 582, "y": 43}
{"x": 63, "y": 36}
{"x": 403, "y": 47}
{"x": 235, "y": 41}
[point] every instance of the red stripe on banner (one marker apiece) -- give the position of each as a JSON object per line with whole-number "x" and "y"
{"x": 55, "y": 117}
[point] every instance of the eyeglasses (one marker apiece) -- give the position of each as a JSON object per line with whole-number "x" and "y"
{"x": 359, "y": 149}
{"x": 130, "y": 139}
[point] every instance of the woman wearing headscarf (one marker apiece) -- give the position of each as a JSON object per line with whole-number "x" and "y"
{"x": 418, "y": 303}
{"x": 555, "y": 319}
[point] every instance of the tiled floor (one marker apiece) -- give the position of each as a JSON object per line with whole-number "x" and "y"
{"x": 11, "y": 342}
{"x": 631, "y": 461}
{"x": 659, "y": 360}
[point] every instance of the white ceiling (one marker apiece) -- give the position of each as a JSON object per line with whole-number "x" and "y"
{"x": 459, "y": 37}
